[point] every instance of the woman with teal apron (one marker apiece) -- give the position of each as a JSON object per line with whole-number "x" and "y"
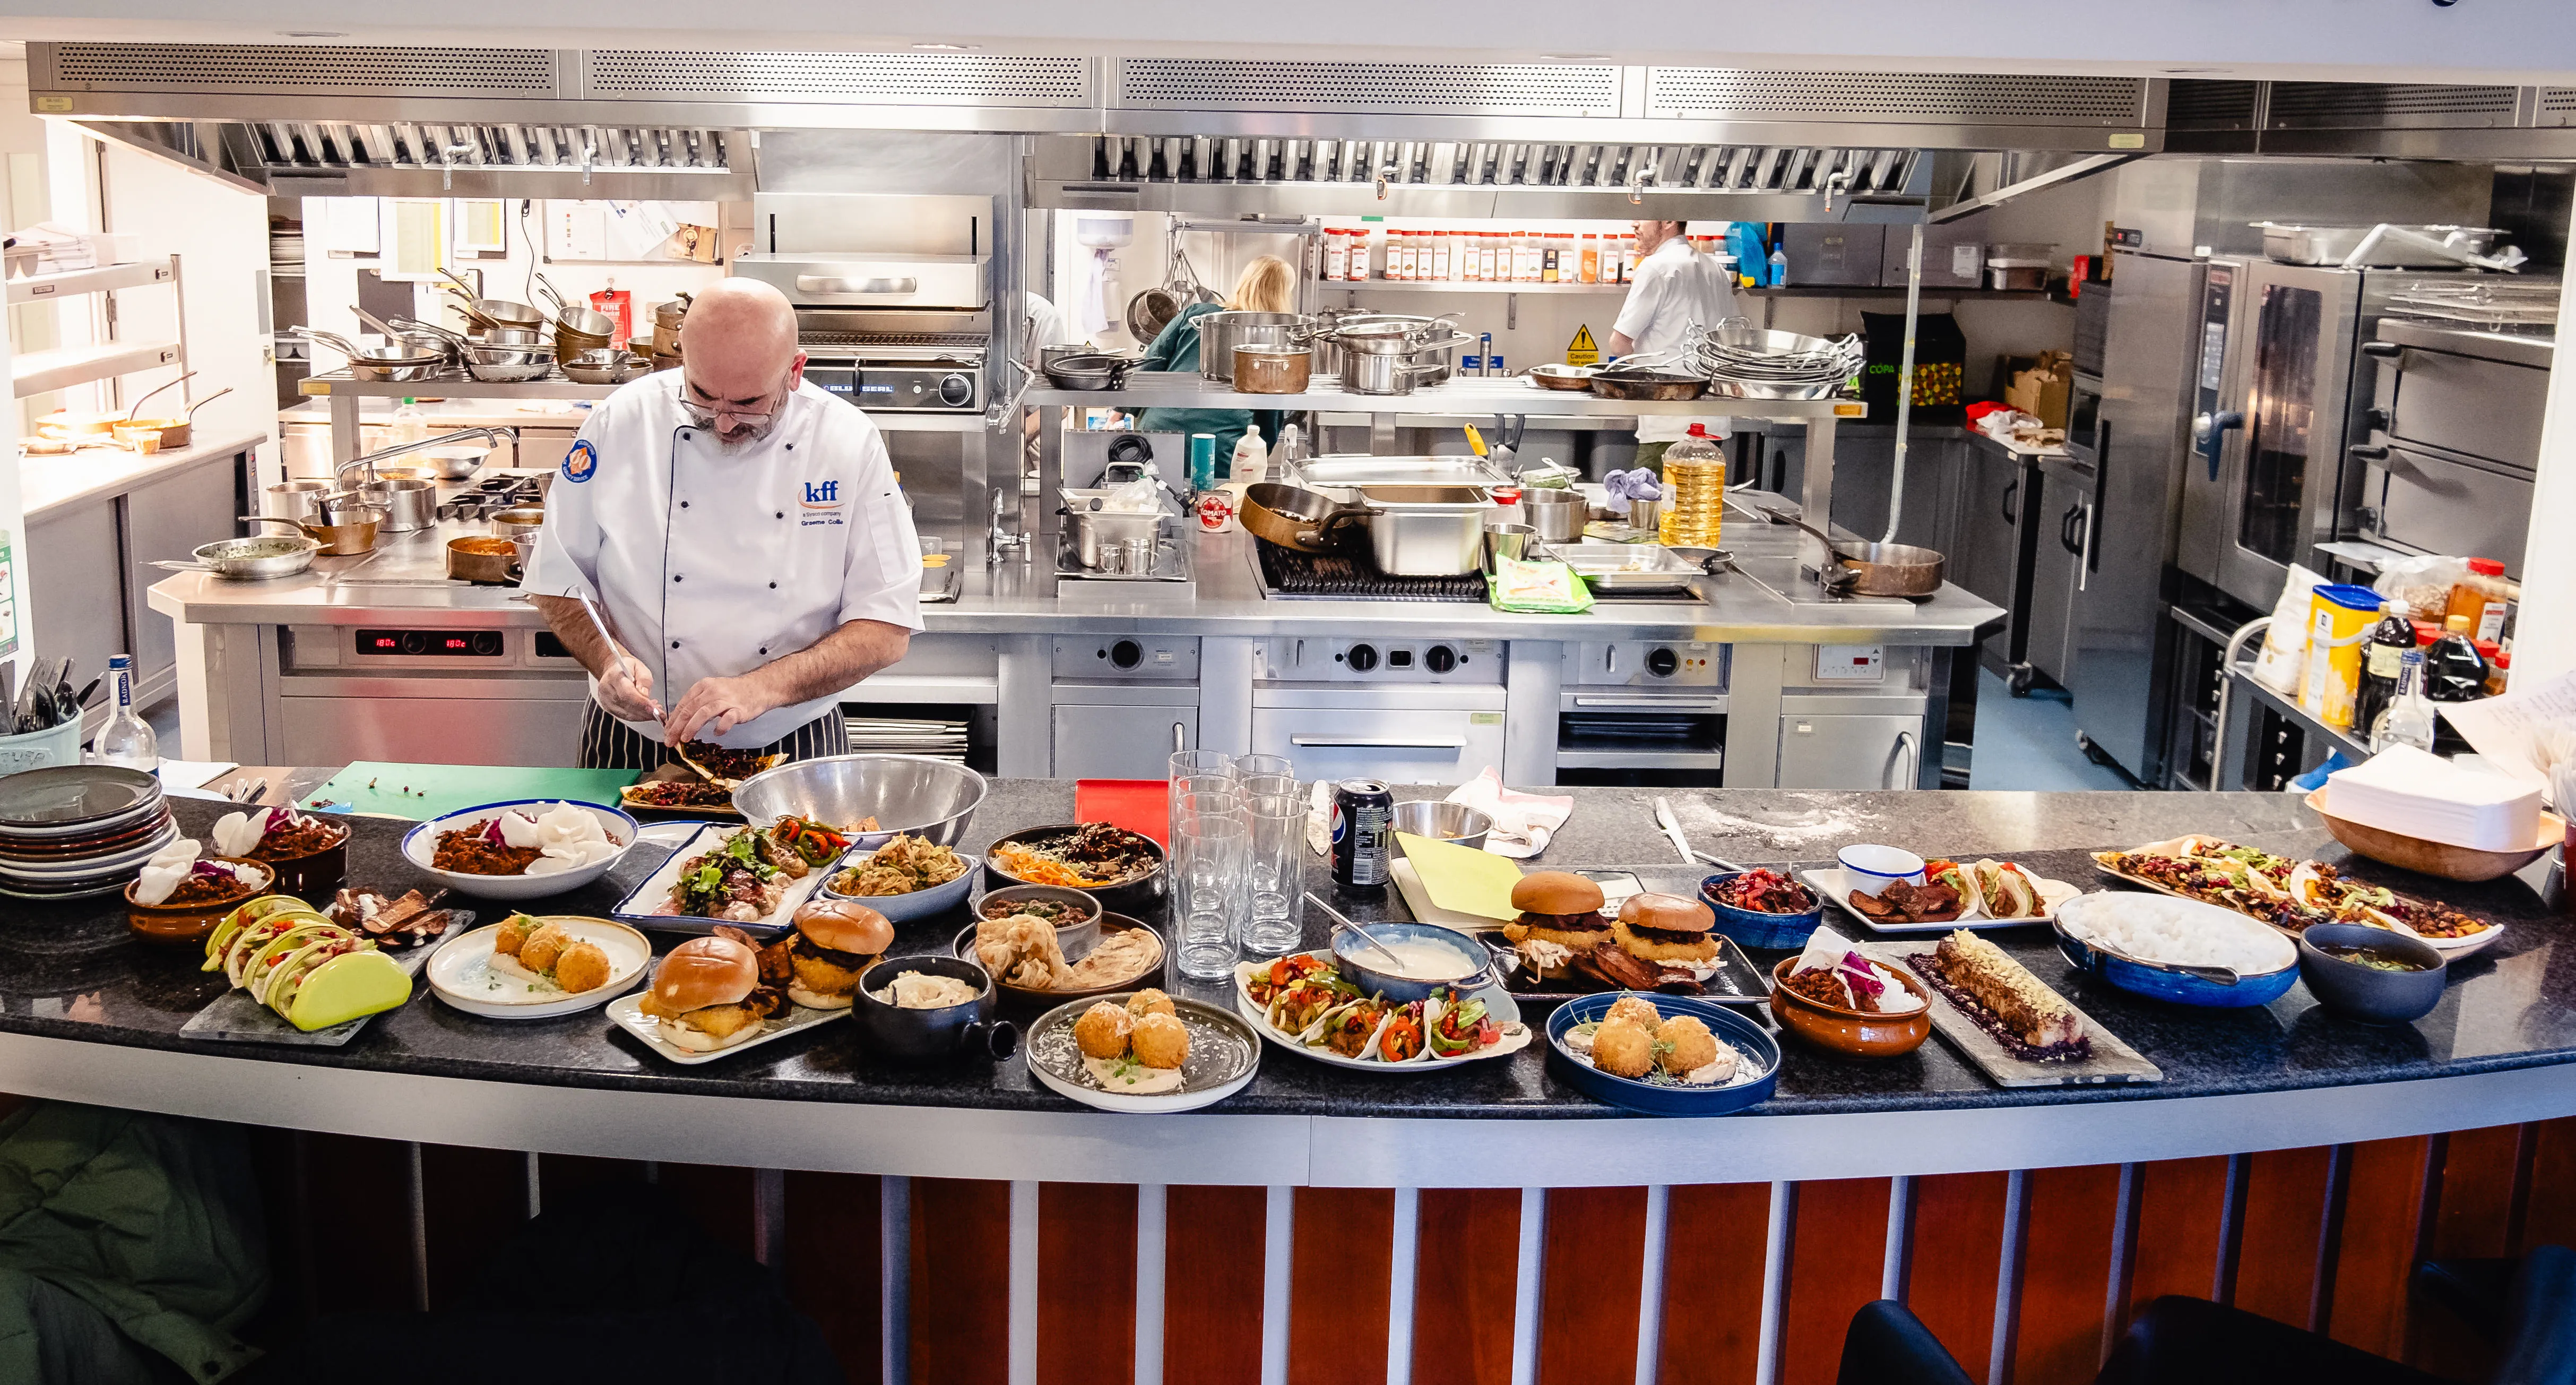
{"x": 1267, "y": 285}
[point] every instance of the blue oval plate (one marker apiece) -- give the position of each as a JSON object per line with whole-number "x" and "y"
{"x": 1656, "y": 1099}
{"x": 2156, "y": 983}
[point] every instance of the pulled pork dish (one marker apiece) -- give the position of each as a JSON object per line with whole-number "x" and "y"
{"x": 297, "y": 836}
{"x": 1091, "y": 856}
{"x": 679, "y": 793}
{"x": 478, "y": 851}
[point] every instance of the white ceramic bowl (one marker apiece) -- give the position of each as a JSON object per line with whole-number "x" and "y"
{"x": 421, "y": 842}
{"x": 1871, "y": 869}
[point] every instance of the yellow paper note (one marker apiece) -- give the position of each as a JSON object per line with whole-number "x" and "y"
{"x": 1462, "y": 878}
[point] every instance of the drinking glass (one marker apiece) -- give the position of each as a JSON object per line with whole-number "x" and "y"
{"x": 1215, "y": 786}
{"x": 1276, "y": 871}
{"x": 1250, "y": 766}
{"x": 1185, "y": 763}
{"x": 1211, "y": 851}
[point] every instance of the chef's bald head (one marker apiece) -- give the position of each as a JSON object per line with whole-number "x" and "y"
{"x": 739, "y": 355}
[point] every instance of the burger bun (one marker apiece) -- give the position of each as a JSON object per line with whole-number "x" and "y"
{"x": 1555, "y": 892}
{"x": 845, "y": 925}
{"x": 702, "y": 972}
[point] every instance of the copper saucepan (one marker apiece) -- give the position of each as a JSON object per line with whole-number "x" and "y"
{"x": 1875, "y": 569}
{"x": 164, "y": 434}
{"x": 1293, "y": 517}
{"x": 350, "y": 532}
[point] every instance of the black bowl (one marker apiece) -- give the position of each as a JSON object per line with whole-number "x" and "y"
{"x": 922, "y": 1036}
{"x": 1136, "y": 897}
{"x": 2366, "y": 994}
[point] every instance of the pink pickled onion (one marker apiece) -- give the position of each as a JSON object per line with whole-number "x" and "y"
{"x": 1857, "y": 975}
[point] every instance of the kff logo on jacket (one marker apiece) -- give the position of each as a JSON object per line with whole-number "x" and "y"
{"x": 821, "y": 504}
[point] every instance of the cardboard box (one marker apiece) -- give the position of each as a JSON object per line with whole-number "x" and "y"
{"x": 2042, "y": 391}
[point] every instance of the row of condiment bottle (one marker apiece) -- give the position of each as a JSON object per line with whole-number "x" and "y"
{"x": 1526, "y": 257}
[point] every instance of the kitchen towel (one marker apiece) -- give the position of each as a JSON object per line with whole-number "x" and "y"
{"x": 1523, "y": 822}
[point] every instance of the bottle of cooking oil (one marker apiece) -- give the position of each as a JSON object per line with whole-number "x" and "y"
{"x": 1696, "y": 470}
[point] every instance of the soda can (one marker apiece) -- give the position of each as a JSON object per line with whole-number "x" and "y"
{"x": 1363, "y": 834}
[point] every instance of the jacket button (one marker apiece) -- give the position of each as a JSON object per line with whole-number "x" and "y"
{"x": 684, "y": 437}
{"x": 675, "y": 644}
{"x": 764, "y": 649}
{"x": 782, "y": 514}
{"x": 684, "y": 504}
{"x": 675, "y": 577}
{"x": 773, "y": 586}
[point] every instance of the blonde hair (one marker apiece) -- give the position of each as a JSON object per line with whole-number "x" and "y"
{"x": 1267, "y": 285}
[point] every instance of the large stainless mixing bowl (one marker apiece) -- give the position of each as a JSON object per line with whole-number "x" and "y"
{"x": 904, "y": 793}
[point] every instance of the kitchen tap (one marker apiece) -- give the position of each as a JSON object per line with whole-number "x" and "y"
{"x": 1386, "y": 172}
{"x": 1839, "y": 178}
{"x": 437, "y": 440}
{"x": 1644, "y": 179}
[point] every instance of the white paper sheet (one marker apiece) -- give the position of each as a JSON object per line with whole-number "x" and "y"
{"x": 2524, "y": 731}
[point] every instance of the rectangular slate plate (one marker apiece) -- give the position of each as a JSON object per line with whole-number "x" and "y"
{"x": 1739, "y": 981}
{"x": 234, "y": 1017}
{"x": 2112, "y": 1060}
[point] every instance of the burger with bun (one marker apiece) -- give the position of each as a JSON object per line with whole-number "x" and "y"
{"x": 708, "y": 995}
{"x": 1666, "y": 929}
{"x": 834, "y": 941}
{"x": 1561, "y": 915}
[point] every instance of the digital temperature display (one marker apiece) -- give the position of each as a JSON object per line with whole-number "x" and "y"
{"x": 466, "y": 643}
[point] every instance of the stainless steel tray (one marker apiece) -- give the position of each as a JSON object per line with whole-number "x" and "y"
{"x": 1628, "y": 567}
{"x": 1337, "y": 476}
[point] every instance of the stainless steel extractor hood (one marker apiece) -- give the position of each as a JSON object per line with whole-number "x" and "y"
{"x": 2399, "y": 120}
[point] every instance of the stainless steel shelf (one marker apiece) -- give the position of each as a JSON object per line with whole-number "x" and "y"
{"x": 1640, "y": 757}
{"x": 341, "y": 382}
{"x": 1460, "y": 286}
{"x": 1466, "y": 395}
{"x": 36, "y": 288}
{"x": 41, "y": 372}
{"x": 2340, "y": 738}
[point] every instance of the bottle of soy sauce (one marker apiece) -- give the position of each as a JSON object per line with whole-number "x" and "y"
{"x": 2454, "y": 671}
{"x": 2380, "y": 655}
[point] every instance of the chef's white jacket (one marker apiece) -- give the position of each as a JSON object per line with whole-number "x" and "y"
{"x": 710, "y": 563}
{"x": 1673, "y": 288}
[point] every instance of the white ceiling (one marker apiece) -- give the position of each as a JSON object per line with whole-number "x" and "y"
{"x": 2509, "y": 41}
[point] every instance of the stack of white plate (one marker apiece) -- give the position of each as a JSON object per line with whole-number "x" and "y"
{"x": 73, "y": 830}
{"x": 285, "y": 247}
{"x": 937, "y": 737}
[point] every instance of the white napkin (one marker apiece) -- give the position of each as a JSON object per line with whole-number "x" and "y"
{"x": 1319, "y": 818}
{"x": 236, "y": 833}
{"x": 1523, "y": 822}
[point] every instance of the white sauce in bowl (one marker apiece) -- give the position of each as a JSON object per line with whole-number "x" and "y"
{"x": 1416, "y": 961}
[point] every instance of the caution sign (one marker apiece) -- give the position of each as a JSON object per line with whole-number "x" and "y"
{"x": 1582, "y": 351}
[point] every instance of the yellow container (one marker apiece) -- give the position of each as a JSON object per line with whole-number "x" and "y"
{"x": 2339, "y": 620}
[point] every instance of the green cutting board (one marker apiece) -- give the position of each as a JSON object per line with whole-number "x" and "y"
{"x": 386, "y": 789}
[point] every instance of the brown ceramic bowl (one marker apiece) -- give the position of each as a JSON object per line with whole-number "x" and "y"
{"x": 1852, "y": 1033}
{"x": 315, "y": 874}
{"x": 186, "y": 925}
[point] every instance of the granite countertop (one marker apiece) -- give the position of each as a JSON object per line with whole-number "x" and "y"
{"x": 70, "y": 971}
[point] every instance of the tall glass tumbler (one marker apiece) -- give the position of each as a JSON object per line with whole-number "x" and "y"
{"x": 1277, "y": 870}
{"x": 1253, "y": 766}
{"x": 1184, "y": 763}
{"x": 1210, "y": 786}
{"x": 1211, "y": 853}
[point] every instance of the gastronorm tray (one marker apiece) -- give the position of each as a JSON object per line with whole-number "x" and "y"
{"x": 1628, "y": 567}
{"x": 2112, "y": 1060}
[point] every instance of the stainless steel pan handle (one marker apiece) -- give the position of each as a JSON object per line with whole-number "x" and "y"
{"x": 833, "y": 283}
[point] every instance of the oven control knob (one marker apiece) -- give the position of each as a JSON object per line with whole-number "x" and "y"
{"x": 1362, "y": 658}
{"x": 486, "y": 642}
{"x": 1661, "y": 663}
{"x": 955, "y": 390}
{"x": 1440, "y": 658}
{"x": 415, "y": 642}
{"x": 1126, "y": 654}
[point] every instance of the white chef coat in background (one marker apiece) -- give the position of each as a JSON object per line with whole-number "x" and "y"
{"x": 1047, "y": 326}
{"x": 710, "y": 562}
{"x": 1671, "y": 289}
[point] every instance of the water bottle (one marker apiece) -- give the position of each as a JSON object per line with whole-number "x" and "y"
{"x": 126, "y": 739}
{"x": 2408, "y": 719}
{"x": 1780, "y": 266}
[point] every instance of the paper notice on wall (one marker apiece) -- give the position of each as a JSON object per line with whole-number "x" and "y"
{"x": 342, "y": 225}
{"x": 576, "y": 230}
{"x": 2522, "y": 732}
{"x": 480, "y": 227}
{"x": 623, "y": 230}
{"x": 414, "y": 237}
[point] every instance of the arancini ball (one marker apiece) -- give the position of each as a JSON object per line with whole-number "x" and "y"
{"x": 1102, "y": 1031}
{"x": 1150, "y": 1001}
{"x": 1162, "y": 1041}
{"x": 1686, "y": 1043}
{"x": 1623, "y": 1048}
{"x": 1635, "y": 1009}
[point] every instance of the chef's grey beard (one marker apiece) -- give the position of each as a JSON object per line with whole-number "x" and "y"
{"x": 741, "y": 438}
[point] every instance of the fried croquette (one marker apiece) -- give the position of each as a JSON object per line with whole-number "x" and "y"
{"x": 1161, "y": 1041}
{"x": 1623, "y": 1048}
{"x": 1102, "y": 1031}
{"x": 1150, "y": 1001}
{"x": 1635, "y": 1009}
{"x": 1684, "y": 1045}
{"x": 543, "y": 947}
{"x": 511, "y": 933}
{"x": 582, "y": 967}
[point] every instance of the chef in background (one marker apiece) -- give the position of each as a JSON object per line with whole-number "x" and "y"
{"x": 741, "y": 532}
{"x": 1672, "y": 288}
{"x": 1267, "y": 285}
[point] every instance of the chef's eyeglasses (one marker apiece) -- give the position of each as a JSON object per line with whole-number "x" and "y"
{"x": 706, "y": 415}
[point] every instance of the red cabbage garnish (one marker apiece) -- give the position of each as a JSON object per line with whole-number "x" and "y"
{"x": 492, "y": 832}
{"x": 1858, "y": 976}
{"x": 210, "y": 870}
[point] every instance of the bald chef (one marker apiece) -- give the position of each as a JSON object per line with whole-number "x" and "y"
{"x": 742, "y": 535}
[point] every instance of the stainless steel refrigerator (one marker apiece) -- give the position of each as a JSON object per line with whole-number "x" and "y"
{"x": 2152, "y": 386}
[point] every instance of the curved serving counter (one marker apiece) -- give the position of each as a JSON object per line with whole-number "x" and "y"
{"x": 2273, "y": 1127}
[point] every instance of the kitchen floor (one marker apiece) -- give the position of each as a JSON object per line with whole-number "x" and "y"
{"x": 2029, "y": 742}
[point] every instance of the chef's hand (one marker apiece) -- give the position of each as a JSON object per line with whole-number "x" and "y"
{"x": 626, "y": 689}
{"x": 717, "y": 705}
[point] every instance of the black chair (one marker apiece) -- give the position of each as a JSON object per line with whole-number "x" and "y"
{"x": 1887, "y": 1345}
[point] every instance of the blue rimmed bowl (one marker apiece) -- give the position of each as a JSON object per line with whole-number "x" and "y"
{"x": 420, "y": 845}
{"x": 1753, "y": 927}
{"x": 901, "y": 908}
{"x": 1751, "y": 1045}
{"x": 2168, "y": 984}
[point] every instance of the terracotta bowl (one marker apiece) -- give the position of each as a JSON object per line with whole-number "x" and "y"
{"x": 186, "y": 925}
{"x": 2466, "y": 863}
{"x": 316, "y": 874}
{"x": 1851, "y": 1033}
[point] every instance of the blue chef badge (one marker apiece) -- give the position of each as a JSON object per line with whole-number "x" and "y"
{"x": 581, "y": 461}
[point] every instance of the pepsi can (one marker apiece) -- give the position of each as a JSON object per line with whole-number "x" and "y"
{"x": 1363, "y": 833}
